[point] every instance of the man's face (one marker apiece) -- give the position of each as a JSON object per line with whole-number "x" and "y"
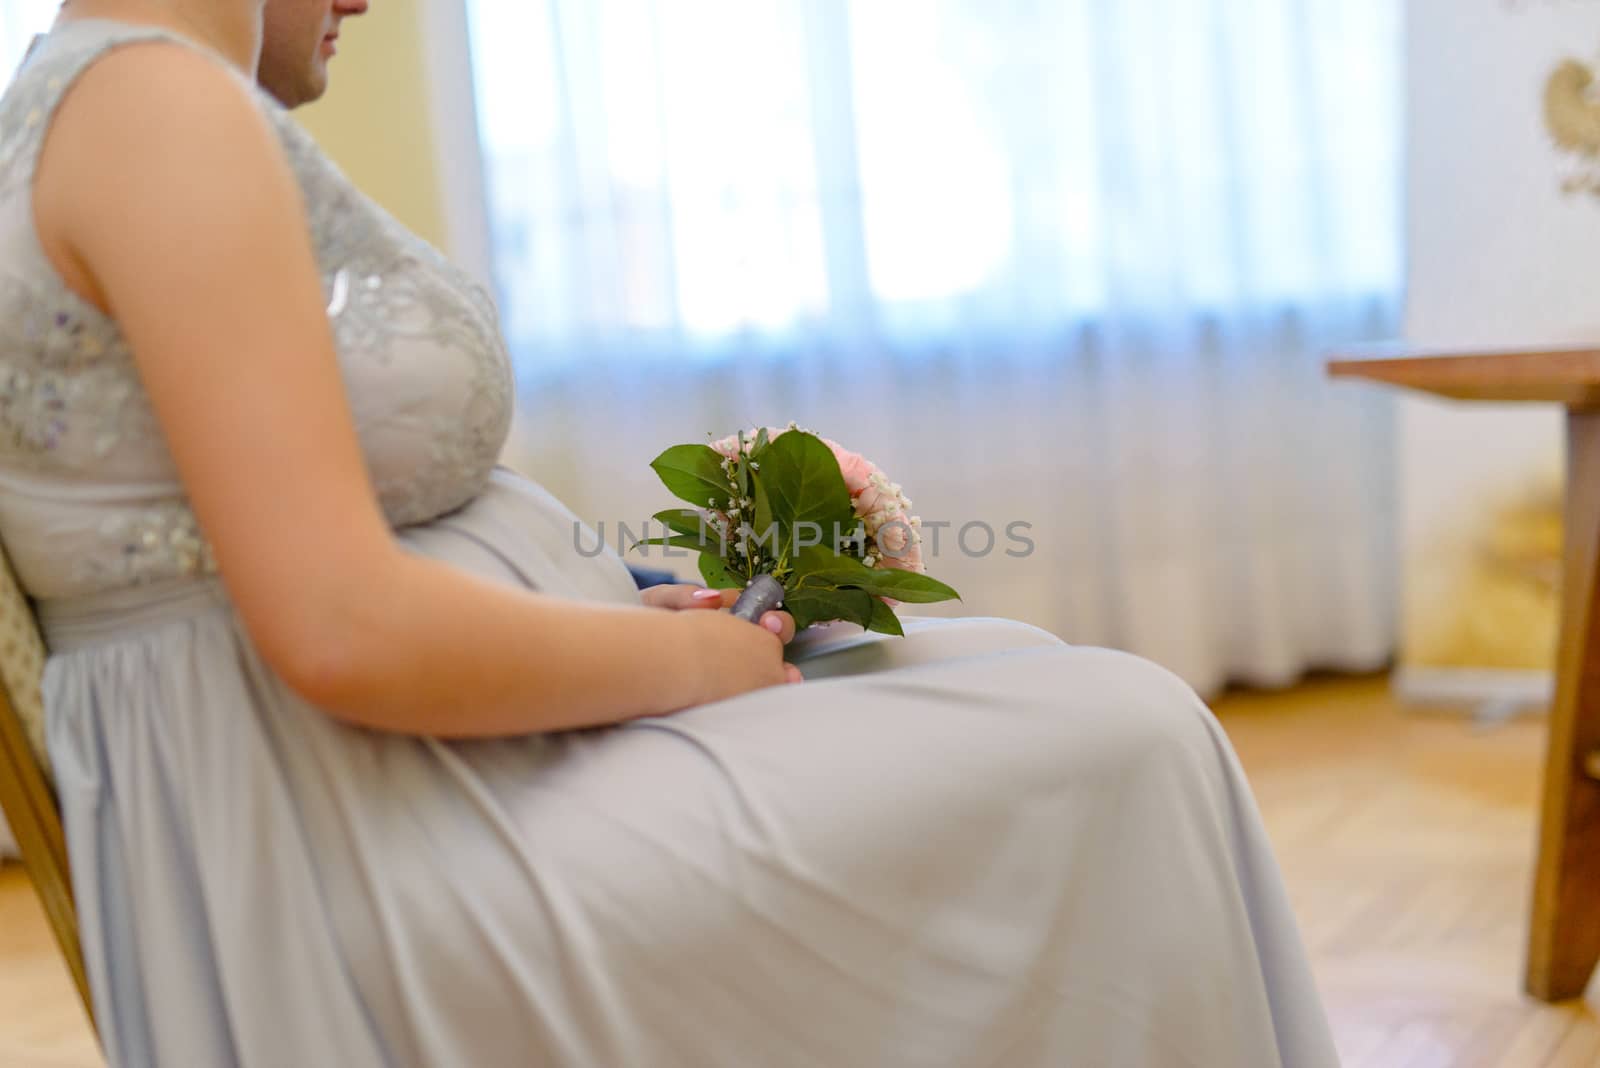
{"x": 297, "y": 40}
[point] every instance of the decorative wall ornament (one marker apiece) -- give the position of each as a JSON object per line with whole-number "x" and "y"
{"x": 1572, "y": 117}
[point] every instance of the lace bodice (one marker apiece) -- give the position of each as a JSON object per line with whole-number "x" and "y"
{"x": 89, "y": 496}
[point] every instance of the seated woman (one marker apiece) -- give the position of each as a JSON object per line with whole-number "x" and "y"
{"x": 363, "y": 764}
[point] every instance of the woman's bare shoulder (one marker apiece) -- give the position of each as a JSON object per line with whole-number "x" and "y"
{"x": 154, "y": 78}
{"x": 154, "y": 129}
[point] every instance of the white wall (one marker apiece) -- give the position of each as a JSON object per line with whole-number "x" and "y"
{"x": 1498, "y": 256}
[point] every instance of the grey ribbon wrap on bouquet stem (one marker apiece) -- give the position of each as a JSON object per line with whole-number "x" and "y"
{"x": 762, "y": 595}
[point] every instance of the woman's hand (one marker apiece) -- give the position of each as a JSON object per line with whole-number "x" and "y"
{"x": 686, "y": 597}
{"x": 728, "y": 657}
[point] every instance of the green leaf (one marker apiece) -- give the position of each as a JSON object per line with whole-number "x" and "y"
{"x": 814, "y": 558}
{"x": 693, "y": 473}
{"x": 908, "y": 586}
{"x": 763, "y": 516}
{"x": 884, "y": 621}
{"x": 685, "y": 521}
{"x": 714, "y": 569}
{"x": 761, "y": 441}
{"x": 803, "y": 484}
{"x": 820, "y": 606}
{"x": 820, "y": 558}
{"x": 822, "y": 568}
{"x": 684, "y": 541}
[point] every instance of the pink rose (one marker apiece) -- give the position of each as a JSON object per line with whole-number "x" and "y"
{"x": 856, "y": 469}
{"x": 899, "y": 542}
{"x": 910, "y": 559}
{"x": 873, "y": 499}
{"x": 895, "y": 537}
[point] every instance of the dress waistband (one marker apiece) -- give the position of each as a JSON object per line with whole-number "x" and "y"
{"x": 70, "y": 623}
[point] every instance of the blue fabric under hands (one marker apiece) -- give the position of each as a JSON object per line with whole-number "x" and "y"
{"x": 646, "y": 577}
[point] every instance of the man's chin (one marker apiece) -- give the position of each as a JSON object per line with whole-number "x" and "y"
{"x": 316, "y": 85}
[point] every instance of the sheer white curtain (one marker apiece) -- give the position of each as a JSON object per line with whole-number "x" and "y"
{"x": 1062, "y": 262}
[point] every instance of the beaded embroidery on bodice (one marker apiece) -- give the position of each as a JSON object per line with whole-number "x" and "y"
{"x": 89, "y": 497}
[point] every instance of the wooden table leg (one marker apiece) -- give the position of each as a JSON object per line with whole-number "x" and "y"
{"x": 1564, "y": 939}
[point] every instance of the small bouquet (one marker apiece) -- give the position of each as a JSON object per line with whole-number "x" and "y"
{"x": 799, "y": 521}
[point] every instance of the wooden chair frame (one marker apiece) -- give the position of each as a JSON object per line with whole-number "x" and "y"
{"x": 30, "y": 808}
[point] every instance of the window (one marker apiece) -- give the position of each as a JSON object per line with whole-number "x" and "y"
{"x": 682, "y": 176}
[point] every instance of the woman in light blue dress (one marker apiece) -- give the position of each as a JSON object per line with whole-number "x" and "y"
{"x": 363, "y": 764}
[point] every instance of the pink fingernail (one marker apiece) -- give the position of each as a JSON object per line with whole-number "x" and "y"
{"x": 707, "y": 595}
{"x": 773, "y": 623}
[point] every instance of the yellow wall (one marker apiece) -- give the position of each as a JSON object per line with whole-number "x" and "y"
{"x": 376, "y": 120}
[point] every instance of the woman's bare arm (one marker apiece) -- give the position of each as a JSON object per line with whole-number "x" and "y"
{"x": 164, "y": 195}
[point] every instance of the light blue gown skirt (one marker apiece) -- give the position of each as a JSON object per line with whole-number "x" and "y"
{"x": 975, "y": 846}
